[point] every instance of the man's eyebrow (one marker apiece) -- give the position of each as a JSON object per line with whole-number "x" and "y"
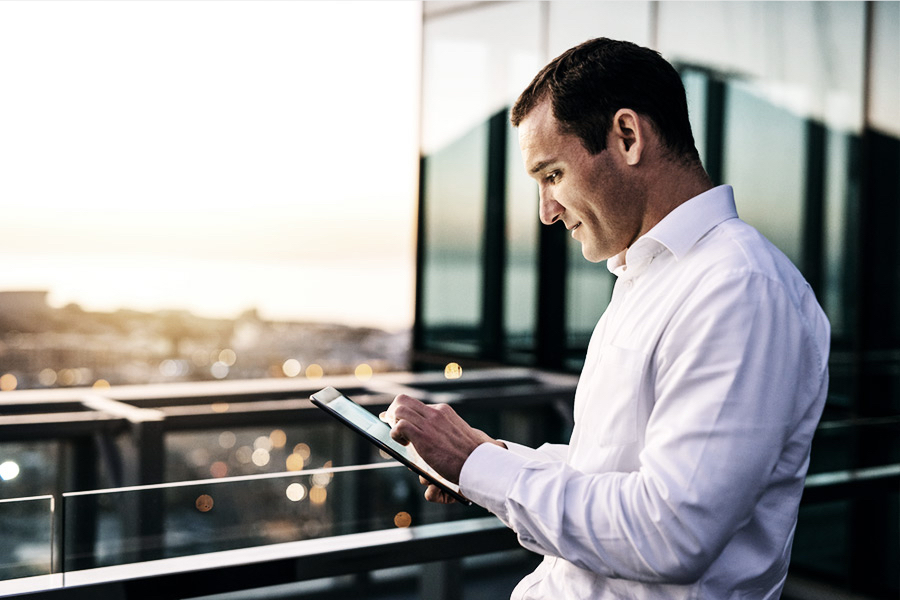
{"x": 540, "y": 166}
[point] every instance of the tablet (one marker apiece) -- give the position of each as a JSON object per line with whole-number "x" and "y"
{"x": 378, "y": 432}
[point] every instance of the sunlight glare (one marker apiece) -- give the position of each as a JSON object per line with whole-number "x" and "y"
{"x": 216, "y": 126}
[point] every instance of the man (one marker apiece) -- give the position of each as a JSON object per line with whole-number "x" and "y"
{"x": 704, "y": 379}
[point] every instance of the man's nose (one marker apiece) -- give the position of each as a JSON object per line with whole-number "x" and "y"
{"x": 550, "y": 209}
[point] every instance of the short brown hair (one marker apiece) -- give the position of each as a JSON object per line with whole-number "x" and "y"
{"x": 587, "y": 84}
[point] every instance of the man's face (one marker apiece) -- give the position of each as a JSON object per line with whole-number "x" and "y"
{"x": 590, "y": 193}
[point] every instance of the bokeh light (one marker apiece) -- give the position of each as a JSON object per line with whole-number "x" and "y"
{"x": 174, "y": 368}
{"x": 363, "y": 372}
{"x": 101, "y": 384}
{"x": 402, "y": 519}
{"x": 453, "y": 371}
{"x": 219, "y": 407}
{"x": 296, "y": 492}
{"x": 204, "y": 503}
{"x": 278, "y": 438}
{"x": 303, "y": 450}
{"x": 9, "y": 470}
{"x": 244, "y": 454}
{"x": 227, "y": 357}
{"x": 8, "y": 382}
{"x": 69, "y": 377}
{"x": 314, "y": 371}
{"x": 219, "y": 370}
{"x": 260, "y": 457}
{"x": 322, "y": 479}
{"x": 218, "y": 469}
{"x": 318, "y": 495}
{"x": 227, "y": 439}
{"x": 291, "y": 367}
{"x": 199, "y": 457}
{"x": 47, "y": 377}
{"x": 294, "y": 462}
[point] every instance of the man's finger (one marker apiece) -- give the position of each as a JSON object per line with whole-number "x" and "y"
{"x": 404, "y": 432}
{"x": 437, "y": 495}
{"x": 402, "y": 403}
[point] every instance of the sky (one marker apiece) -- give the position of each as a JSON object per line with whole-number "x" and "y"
{"x": 214, "y": 156}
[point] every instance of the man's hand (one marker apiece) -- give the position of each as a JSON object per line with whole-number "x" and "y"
{"x": 439, "y": 435}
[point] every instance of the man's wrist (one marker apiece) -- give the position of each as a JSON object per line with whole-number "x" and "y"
{"x": 487, "y": 474}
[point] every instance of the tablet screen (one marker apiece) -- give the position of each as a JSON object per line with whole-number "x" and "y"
{"x": 376, "y": 430}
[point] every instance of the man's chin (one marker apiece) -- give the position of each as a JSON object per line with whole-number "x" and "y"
{"x": 592, "y": 255}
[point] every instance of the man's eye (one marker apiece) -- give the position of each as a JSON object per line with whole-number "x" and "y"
{"x": 552, "y": 177}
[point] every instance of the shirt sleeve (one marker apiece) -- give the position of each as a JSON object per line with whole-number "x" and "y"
{"x": 546, "y": 452}
{"x": 735, "y": 374}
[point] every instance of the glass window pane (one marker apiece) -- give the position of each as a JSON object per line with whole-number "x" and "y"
{"x": 476, "y": 62}
{"x": 574, "y": 22}
{"x": 455, "y": 180}
{"x": 765, "y": 159}
{"x": 522, "y": 222}
{"x": 782, "y": 85}
{"x": 588, "y": 290}
{"x": 695, "y": 84}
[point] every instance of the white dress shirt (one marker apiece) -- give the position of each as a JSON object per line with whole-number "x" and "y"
{"x": 703, "y": 384}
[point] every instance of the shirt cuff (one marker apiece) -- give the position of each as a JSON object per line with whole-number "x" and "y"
{"x": 525, "y": 451}
{"x": 488, "y": 474}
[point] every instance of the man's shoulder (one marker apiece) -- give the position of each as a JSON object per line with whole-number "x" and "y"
{"x": 736, "y": 246}
{"x": 736, "y": 253}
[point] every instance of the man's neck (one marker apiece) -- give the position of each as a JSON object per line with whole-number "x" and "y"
{"x": 673, "y": 185}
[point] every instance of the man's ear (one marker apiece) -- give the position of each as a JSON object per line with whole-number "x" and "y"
{"x": 628, "y": 135}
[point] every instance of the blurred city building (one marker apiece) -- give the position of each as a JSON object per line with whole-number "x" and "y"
{"x": 43, "y": 347}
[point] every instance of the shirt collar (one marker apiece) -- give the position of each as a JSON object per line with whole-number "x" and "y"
{"x": 678, "y": 231}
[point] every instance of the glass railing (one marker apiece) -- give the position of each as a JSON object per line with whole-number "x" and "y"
{"x": 121, "y": 533}
{"x": 28, "y": 553}
{"x": 219, "y": 506}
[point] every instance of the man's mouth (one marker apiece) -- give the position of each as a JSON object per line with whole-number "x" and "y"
{"x": 575, "y": 226}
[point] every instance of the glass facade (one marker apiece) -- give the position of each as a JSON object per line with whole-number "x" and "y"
{"x": 792, "y": 103}
{"x": 477, "y": 251}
